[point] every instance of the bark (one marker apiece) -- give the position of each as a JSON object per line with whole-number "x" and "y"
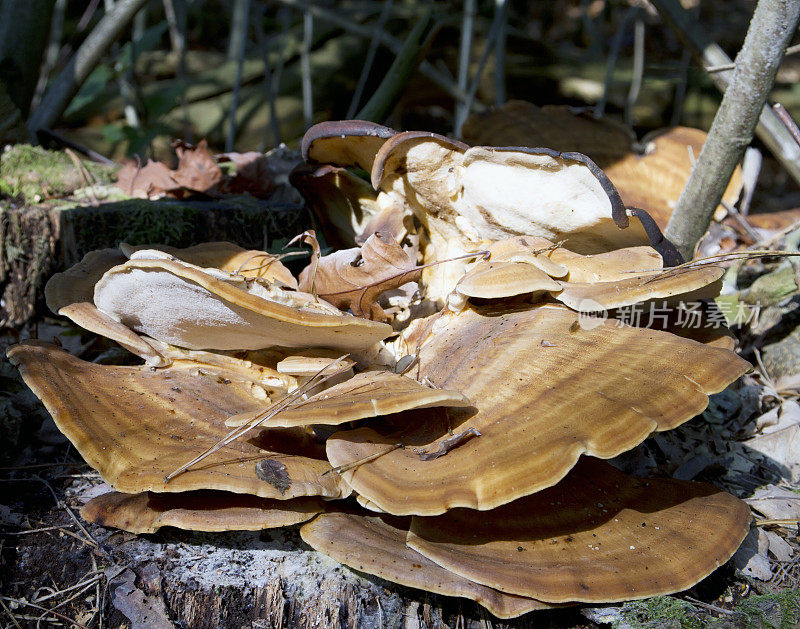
{"x": 770, "y": 31}
{"x": 39, "y": 239}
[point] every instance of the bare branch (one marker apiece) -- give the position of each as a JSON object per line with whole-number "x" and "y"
{"x": 771, "y": 28}
{"x": 58, "y": 96}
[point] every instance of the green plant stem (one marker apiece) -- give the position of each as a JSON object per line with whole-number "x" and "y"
{"x": 407, "y": 60}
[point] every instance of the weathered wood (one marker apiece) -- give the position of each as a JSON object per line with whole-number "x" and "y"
{"x": 48, "y": 221}
{"x": 38, "y": 240}
{"x": 272, "y": 579}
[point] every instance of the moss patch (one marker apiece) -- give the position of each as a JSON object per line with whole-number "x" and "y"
{"x": 776, "y": 611}
{"x": 664, "y": 612}
{"x": 247, "y": 221}
{"x": 32, "y": 173}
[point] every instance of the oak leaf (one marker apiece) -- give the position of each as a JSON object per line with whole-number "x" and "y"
{"x": 355, "y": 278}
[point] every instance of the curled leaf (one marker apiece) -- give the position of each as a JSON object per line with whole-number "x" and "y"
{"x": 355, "y": 278}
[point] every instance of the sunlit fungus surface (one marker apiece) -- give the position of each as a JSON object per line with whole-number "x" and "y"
{"x": 433, "y": 397}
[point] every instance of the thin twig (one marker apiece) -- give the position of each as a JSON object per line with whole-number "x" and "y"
{"x": 39, "y": 530}
{"x": 10, "y": 614}
{"x": 305, "y": 68}
{"x": 440, "y": 77}
{"x": 791, "y": 50}
{"x": 787, "y": 120}
{"x": 638, "y": 69}
{"x": 176, "y": 21}
{"x": 770, "y": 129}
{"x": 464, "y": 54}
{"x": 500, "y": 55}
{"x": 778, "y": 521}
{"x": 53, "y": 48}
{"x": 40, "y": 465}
{"x": 269, "y": 80}
{"x": 282, "y": 404}
{"x": 82, "y": 63}
{"x": 341, "y": 469}
{"x": 494, "y": 32}
{"x": 613, "y": 55}
{"x": 62, "y": 505}
{"x": 44, "y": 609}
{"x": 710, "y": 607}
{"x": 89, "y": 581}
{"x": 85, "y": 175}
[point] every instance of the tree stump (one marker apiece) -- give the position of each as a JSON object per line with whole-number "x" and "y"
{"x": 39, "y": 238}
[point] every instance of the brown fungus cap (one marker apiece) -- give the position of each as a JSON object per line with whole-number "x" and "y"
{"x": 610, "y": 266}
{"x": 495, "y": 280}
{"x": 342, "y": 202}
{"x": 378, "y": 546}
{"x": 202, "y": 510}
{"x": 546, "y": 389}
{"x": 344, "y": 142}
{"x": 187, "y": 306}
{"x": 598, "y": 536}
{"x": 560, "y": 127}
{"x": 651, "y": 177}
{"x": 367, "y": 394}
{"x": 689, "y": 284}
{"x": 309, "y": 362}
{"x": 135, "y": 426}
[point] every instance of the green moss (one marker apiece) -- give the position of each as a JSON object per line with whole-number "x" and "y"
{"x": 34, "y": 173}
{"x": 663, "y": 612}
{"x": 775, "y": 611}
{"x": 244, "y": 220}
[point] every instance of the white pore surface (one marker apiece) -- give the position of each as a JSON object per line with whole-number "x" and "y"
{"x": 180, "y": 312}
{"x": 508, "y": 193}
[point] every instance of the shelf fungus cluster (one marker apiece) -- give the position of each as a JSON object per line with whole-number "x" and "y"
{"x": 434, "y": 399}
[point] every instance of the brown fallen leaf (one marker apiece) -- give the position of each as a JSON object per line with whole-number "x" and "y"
{"x": 355, "y": 278}
{"x": 253, "y": 174}
{"x": 448, "y": 444}
{"x": 153, "y": 179}
{"x": 274, "y": 472}
{"x": 197, "y": 172}
{"x": 197, "y": 169}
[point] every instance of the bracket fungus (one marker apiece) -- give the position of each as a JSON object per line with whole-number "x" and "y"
{"x": 202, "y": 510}
{"x": 450, "y": 367}
{"x": 649, "y": 174}
{"x": 378, "y": 546}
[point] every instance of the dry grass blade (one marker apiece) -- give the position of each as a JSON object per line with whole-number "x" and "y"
{"x": 272, "y": 410}
{"x": 340, "y": 469}
{"x": 44, "y": 609}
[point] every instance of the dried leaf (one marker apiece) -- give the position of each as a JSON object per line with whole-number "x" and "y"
{"x": 448, "y": 444}
{"x": 197, "y": 172}
{"x": 253, "y": 176}
{"x": 355, "y": 278}
{"x": 274, "y": 472}
{"x": 153, "y": 179}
